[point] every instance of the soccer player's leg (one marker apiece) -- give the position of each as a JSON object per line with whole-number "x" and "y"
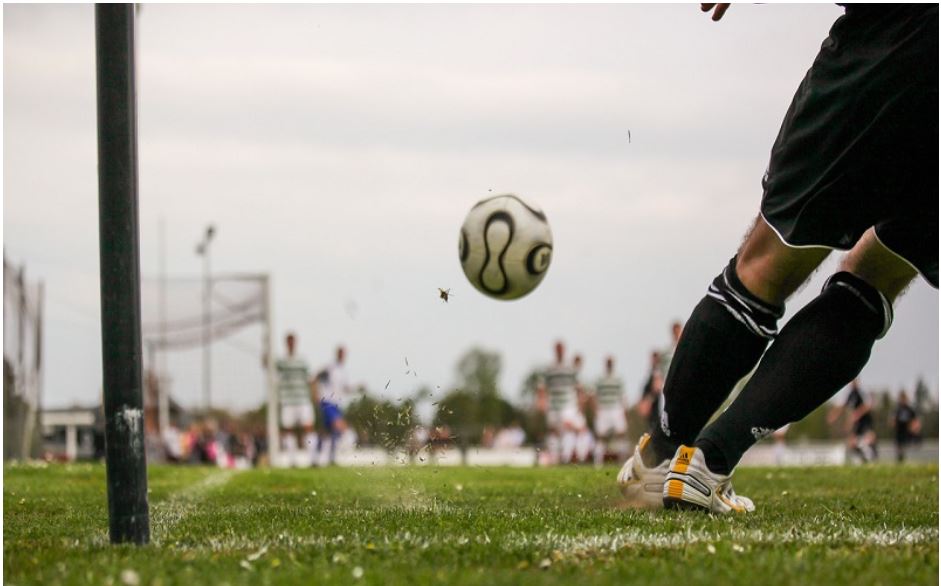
{"x": 584, "y": 444}
{"x": 721, "y": 342}
{"x": 336, "y": 434}
{"x": 727, "y": 333}
{"x": 610, "y": 434}
{"x": 821, "y": 349}
{"x": 568, "y": 441}
{"x": 288, "y": 438}
{"x": 603, "y": 434}
{"x": 619, "y": 442}
{"x": 307, "y": 418}
{"x": 601, "y": 443}
{"x": 852, "y": 448}
{"x": 871, "y": 443}
{"x": 584, "y": 438}
{"x": 333, "y": 420}
{"x": 554, "y": 436}
{"x": 857, "y": 148}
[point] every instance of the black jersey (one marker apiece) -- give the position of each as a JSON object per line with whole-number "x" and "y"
{"x": 854, "y": 401}
{"x": 904, "y": 416}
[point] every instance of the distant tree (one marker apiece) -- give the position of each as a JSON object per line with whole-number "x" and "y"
{"x": 255, "y": 419}
{"x": 381, "y": 423}
{"x": 532, "y": 421}
{"x": 422, "y": 394}
{"x": 927, "y": 409}
{"x": 530, "y": 382}
{"x": 476, "y": 403}
{"x": 478, "y": 371}
{"x": 922, "y": 395}
{"x": 815, "y": 427}
{"x": 882, "y": 409}
{"x": 929, "y": 421}
{"x": 458, "y": 410}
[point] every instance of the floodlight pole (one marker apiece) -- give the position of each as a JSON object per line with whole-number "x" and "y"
{"x": 163, "y": 398}
{"x": 128, "y": 516}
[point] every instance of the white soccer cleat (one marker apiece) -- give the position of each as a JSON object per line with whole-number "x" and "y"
{"x": 691, "y": 485}
{"x": 641, "y": 486}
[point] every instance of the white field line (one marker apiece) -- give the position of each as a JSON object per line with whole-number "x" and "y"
{"x": 589, "y": 544}
{"x": 167, "y": 514}
{"x": 164, "y": 515}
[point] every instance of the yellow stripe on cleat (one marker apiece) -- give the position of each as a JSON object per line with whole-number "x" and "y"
{"x": 674, "y": 489}
{"x": 644, "y": 440}
{"x": 733, "y": 506}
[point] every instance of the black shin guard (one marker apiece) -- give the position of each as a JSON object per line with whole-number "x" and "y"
{"x": 821, "y": 349}
{"x": 721, "y": 342}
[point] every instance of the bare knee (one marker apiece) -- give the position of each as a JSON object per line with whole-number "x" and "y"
{"x": 770, "y": 269}
{"x": 872, "y": 262}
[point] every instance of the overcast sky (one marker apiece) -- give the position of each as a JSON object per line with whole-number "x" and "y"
{"x": 338, "y": 147}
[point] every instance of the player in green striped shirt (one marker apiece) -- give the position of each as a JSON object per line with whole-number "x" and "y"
{"x": 297, "y": 409}
{"x": 558, "y": 389}
{"x": 610, "y": 420}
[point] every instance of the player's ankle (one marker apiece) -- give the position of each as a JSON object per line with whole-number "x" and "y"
{"x": 715, "y": 459}
{"x": 661, "y": 449}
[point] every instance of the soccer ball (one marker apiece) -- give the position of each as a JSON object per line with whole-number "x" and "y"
{"x": 505, "y": 246}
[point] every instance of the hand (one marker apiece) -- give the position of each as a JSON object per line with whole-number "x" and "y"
{"x": 643, "y": 407}
{"x": 719, "y": 10}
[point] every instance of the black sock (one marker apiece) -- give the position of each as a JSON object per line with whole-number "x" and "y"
{"x": 820, "y": 350}
{"x": 721, "y": 342}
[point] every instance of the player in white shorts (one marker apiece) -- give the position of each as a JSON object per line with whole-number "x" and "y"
{"x": 297, "y": 409}
{"x": 584, "y": 439}
{"x": 610, "y": 420}
{"x": 335, "y": 396}
{"x": 558, "y": 386}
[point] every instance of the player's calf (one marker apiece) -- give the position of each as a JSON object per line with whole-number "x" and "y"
{"x": 722, "y": 341}
{"x": 823, "y": 347}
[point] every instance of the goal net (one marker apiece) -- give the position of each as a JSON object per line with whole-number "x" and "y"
{"x": 177, "y": 317}
{"x": 22, "y": 363}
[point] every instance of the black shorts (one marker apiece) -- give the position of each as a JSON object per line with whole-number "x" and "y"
{"x": 858, "y": 147}
{"x": 863, "y": 426}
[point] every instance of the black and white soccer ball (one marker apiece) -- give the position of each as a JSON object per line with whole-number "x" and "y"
{"x": 505, "y": 247}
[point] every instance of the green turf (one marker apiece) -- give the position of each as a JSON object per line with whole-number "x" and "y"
{"x": 873, "y": 525}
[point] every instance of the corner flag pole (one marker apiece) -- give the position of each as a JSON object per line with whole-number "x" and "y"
{"x": 128, "y": 517}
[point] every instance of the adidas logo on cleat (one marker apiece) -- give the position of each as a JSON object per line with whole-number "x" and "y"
{"x": 684, "y": 457}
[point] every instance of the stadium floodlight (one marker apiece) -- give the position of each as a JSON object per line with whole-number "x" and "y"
{"x": 202, "y": 249}
{"x": 128, "y": 515}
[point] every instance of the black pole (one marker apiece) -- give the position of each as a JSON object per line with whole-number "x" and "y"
{"x": 129, "y": 521}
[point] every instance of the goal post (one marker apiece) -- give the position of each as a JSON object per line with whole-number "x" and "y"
{"x": 274, "y": 446}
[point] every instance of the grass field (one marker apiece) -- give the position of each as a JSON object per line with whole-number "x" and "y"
{"x": 875, "y": 525}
